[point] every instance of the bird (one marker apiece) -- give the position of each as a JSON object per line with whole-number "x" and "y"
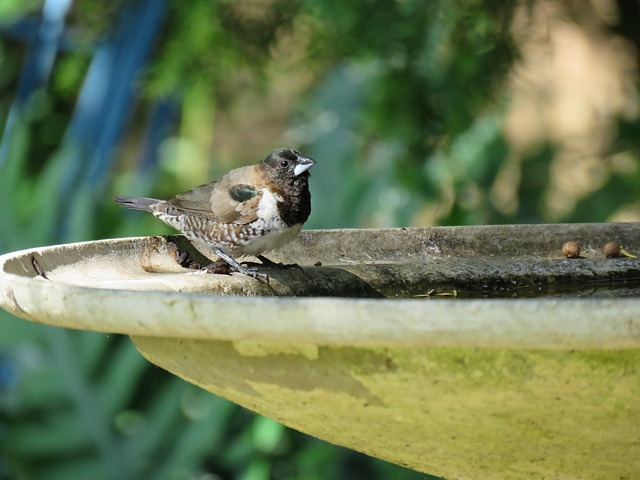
{"x": 251, "y": 210}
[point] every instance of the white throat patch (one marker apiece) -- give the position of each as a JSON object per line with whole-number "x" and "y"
{"x": 268, "y": 207}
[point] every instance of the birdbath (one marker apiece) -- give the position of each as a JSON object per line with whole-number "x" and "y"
{"x": 462, "y": 352}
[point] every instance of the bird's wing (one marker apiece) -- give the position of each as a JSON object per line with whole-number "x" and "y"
{"x": 232, "y": 199}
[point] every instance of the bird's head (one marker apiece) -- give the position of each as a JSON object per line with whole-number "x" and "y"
{"x": 284, "y": 164}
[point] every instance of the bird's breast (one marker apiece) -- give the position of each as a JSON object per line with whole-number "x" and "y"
{"x": 269, "y": 231}
{"x": 268, "y": 210}
{"x": 268, "y": 240}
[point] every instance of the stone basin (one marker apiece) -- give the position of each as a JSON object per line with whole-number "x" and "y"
{"x": 462, "y": 352}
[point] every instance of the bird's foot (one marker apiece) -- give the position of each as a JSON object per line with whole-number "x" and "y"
{"x": 221, "y": 267}
{"x": 252, "y": 272}
{"x": 279, "y": 265}
{"x": 177, "y": 255}
{"x": 182, "y": 258}
{"x": 235, "y": 266}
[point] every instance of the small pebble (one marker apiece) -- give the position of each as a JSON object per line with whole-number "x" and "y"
{"x": 571, "y": 250}
{"x": 611, "y": 249}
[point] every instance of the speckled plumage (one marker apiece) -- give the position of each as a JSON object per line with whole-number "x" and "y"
{"x": 249, "y": 211}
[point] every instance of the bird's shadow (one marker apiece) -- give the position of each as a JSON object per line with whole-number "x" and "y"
{"x": 174, "y": 253}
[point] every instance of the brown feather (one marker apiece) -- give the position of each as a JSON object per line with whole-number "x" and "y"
{"x": 214, "y": 201}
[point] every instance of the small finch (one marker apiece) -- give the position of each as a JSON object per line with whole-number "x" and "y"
{"x": 249, "y": 211}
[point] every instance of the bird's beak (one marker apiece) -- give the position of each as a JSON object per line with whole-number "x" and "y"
{"x": 303, "y": 164}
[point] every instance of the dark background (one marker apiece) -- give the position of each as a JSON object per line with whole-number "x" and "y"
{"x": 418, "y": 113}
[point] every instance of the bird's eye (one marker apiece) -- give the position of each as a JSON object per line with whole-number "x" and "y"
{"x": 284, "y": 163}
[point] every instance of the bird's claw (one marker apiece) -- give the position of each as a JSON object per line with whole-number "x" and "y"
{"x": 223, "y": 268}
{"x": 254, "y": 273}
{"x": 182, "y": 258}
{"x": 237, "y": 267}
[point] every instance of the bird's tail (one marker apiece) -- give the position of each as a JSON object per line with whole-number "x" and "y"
{"x": 137, "y": 203}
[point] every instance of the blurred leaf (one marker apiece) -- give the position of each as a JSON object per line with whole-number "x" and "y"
{"x": 10, "y": 10}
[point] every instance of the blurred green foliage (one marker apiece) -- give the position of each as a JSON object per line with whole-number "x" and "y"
{"x": 403, "y": 105}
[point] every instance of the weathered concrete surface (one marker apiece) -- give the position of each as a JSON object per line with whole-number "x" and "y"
{"x": 524, "y": 260}
{"x": 460, "y": 413}
{"x": 462, "y": 388}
